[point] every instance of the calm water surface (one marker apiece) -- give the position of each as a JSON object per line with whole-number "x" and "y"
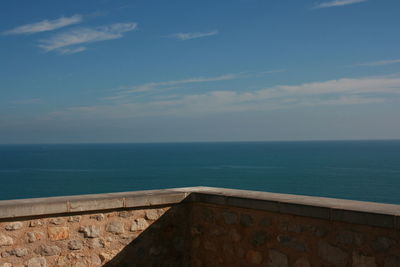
{"x": 362, "y": 170}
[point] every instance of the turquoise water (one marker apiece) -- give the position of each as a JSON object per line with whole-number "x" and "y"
{"x": 362, "y": 170}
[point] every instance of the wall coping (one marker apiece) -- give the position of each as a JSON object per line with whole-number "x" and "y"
{"x": 349, "y": 211}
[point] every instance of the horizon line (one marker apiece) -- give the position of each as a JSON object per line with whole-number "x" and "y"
{"x": 200, "y": 142}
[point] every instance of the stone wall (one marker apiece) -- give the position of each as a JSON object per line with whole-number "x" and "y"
{"x": 92, "y": 239}
{"x": 229, "y": 236}
{"x": 198, "y": 227}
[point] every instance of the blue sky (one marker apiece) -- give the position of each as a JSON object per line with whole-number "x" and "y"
{"x": 169, "y": 71}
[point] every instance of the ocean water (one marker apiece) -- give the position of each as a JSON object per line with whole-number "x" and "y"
{"x": 361, "y": 170}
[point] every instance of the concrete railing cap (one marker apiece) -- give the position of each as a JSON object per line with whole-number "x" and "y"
{"x": 359, "y": 212}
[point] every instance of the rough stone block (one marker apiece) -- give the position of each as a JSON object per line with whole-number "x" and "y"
{"x": 6, "y": 240}
{"x": 210, "y": 245}
{"x": 57, "y": 221}
{"x": 5, "y": 254}
{"x": 151, "y": 214}
{"x": 246, "y": 220}
{"x": 124, "y": 214}
{"x": 107, "y": 256}
{"x": 14, "y": 226}
{"x": 392, "y": 261}
{"x": 75, "y": 219}
{"x": 90, "y": 231}
{"x": 292, "y": 242}
{"x": 331, "y": 254}
{"x": 34, "y": 236}
{"x": 360, "y": 260}
{"x": 382, "y": 243}
{"x": 259, "y": 238}
{"x": 58, "y": 233}
{"x": 277, "y": 259}
{"x": 230, "y": 217}
{"x": 75, "y": 244}
{"x": 235, "y": 235}
{"x": 302, "y": 262}
{"x": 254, "y": 257}
{"x": 139, "y": 225}
{"x": 95, "y": 260}
{"x": 96, "y": 243}
{"x": 345, "y": 237}
{"x": 19, "y": 252}
{"x": 36, "y": 262}
{"x": 35, "y": 223}
{"x": 115, "y": 227}
{"x": 48, "y": 250}
{"x": 265, "y": 222}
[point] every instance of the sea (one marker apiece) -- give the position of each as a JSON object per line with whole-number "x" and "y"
{"x": 358, "y": 170}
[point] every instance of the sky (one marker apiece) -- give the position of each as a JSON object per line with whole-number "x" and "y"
{"x": 110, "y": 71}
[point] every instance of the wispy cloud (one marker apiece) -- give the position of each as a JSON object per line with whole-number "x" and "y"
{"x": 337, "y": 3}
{"x": 192, "y": 35}
{"x": 166, "y": 85}
{"x": 26, "y": 101}
{"x": 155, "y": 85}
{"x": 379, "y": 63}
{"x": 176, "y": 84}
{"x": 46, "y": 25}
{"x": 68, "y": 51}
{"x": 345, "y": 91}
{"x": 65, "y": 42}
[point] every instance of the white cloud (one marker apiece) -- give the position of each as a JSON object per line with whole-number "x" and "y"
{"x": 379, "y": 63}
{"x": 338, "y": 3}
{"x": 155, "y": 85}
{"x": 68, "y": 51}
{"x": 176, "y": 84}
{"x": 46, "y": 25}
{"x": 345, "y": 91}
{"x": 193, "y": 35}
{"x": 65, "y": 42}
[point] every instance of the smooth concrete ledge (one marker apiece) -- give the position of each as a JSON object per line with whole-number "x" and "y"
{"x": 358, "y": 212}
{"x": 86, "y": 203}
{"x": 349, "y": 211}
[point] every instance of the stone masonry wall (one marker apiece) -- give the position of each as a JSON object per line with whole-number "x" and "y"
{"x": 200, "y": 229}
{"x": 227, "y": 236}
{"x": 94, "y": 239}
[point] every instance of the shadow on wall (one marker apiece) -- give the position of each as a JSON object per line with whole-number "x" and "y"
{"x": 164, "y": 243}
